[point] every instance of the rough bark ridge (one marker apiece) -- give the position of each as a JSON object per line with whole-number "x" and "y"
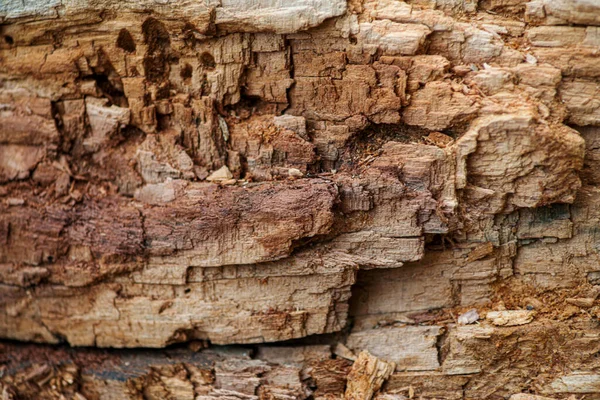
{"x": 419, "y": 179}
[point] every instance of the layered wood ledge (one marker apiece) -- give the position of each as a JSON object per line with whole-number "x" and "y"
{"x": 404, "y": 194}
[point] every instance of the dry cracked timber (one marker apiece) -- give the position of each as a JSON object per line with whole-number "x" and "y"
{"x": 405, "y": 193}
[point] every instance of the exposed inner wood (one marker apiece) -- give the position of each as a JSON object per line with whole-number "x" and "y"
{"x": 305, "y": 198}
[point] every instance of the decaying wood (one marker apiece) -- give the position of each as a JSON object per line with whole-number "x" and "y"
{"x": 367, "y": 376}
{"x": 355, "y": 174}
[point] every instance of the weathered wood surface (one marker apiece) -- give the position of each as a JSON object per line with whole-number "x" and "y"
{"x": 240, "y": 172}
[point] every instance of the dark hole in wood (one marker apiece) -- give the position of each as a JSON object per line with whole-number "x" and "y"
{"x": 125, "y": 41}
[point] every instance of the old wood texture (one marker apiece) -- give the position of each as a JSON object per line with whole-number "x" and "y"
{"x": 347, "y": 177}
